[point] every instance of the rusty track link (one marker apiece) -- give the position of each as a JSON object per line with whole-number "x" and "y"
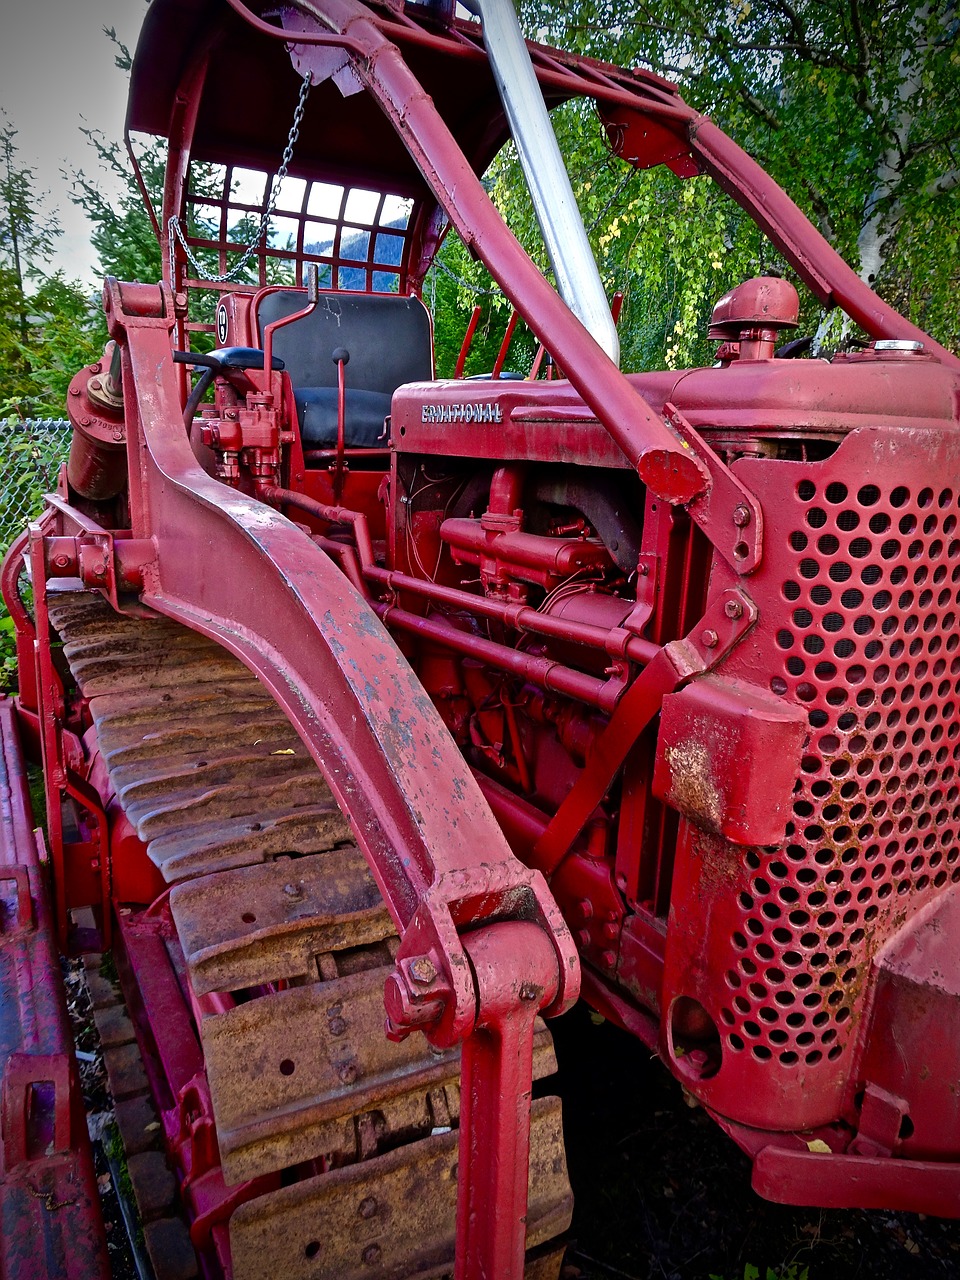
{"x": 286, "y": 945}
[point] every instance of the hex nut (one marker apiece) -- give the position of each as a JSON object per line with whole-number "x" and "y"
{"x": 422, "y": 970}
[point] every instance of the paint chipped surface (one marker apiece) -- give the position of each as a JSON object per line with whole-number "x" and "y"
{"x": 694, "y": 789}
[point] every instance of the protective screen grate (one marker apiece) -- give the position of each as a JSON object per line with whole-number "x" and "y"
{"x": 869, "y": 645}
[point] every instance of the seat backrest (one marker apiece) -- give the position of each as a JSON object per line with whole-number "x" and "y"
{"x": 388, "y": 338}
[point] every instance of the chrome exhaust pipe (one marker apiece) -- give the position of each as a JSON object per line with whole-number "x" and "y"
{"x": 574, "y": 266}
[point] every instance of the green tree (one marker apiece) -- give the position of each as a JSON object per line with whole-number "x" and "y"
{"x": 853, "y": 108}
{"x": 46, "y": 322}
{"x": 121, "y": 231}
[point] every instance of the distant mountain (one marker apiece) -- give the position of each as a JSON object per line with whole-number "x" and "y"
{"x": 389, "y": 250}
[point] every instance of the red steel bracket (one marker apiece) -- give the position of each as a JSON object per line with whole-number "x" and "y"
{"x": 727, "y": 511}
{"x": 496, "y": 1076}
{"x": 727, "y": 619}
{"x": 837, "y": 1181}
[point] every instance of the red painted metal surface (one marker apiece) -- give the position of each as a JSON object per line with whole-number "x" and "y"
{"x": 658, "y": 670}
{"x": 49, "y": 1210}
{"x": 495, "y": 1084}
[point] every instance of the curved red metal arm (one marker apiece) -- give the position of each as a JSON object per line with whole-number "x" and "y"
{"x": 243, "y": 574}
{"x": 240, "y": 572}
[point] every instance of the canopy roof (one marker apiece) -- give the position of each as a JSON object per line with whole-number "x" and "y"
{"x": 250, "y": 92}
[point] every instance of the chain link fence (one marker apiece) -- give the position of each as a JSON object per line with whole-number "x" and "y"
{"x": 30, "y": 456}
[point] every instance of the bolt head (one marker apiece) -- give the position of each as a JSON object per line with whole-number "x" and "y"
{"x": 422, "y": 970}
{"x": 61, "y": 561}
{"x": 337, "y": 1026}
{"x": 293, "y": 890}
{"x": 608, "y": 959}
{"x": 741, "y": 516}
{"x": 371, "y": 1254}
{"x": 709, "y": 639}
{"x": 733, "y": 609}
{"x": 348, "y": 1073}
{"x": 368, "y": 1207}
{"x": 529, "y": 992}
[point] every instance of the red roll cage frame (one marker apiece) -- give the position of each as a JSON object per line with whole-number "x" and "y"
{"x": 214, "y": 77}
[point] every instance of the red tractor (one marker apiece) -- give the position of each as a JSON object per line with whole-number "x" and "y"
{"x": 354, "y": 687}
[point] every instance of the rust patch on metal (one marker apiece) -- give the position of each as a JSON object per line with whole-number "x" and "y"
{"x": 694, "y": 791}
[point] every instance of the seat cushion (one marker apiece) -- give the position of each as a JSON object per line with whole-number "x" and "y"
{"x": 365, "y": 412}
{"x": 387, "y": 337}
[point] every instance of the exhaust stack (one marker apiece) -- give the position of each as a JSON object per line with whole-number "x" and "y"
{"x": 571, "y": 257}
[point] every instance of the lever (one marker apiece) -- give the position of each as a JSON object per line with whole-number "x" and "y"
{"x": 341, "y": 357}
{"x": 312, "y": 273}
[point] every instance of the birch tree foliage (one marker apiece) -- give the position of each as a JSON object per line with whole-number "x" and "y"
{"x": 854, "y": 108}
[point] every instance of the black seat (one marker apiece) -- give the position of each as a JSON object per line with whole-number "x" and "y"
{"x": 389, "y": 343}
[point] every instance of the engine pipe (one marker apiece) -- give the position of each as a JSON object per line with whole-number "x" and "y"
{"x": 557, "y": 557}
{"x": 506, "y": 490}
{"x": 616, "y": 641}
{"x": 333, "y": 515}
{"x": 543, "y": 672}
{"x": 554, "y": 203}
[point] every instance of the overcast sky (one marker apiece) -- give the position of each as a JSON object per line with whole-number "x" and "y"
{"x": 57, "y": 74}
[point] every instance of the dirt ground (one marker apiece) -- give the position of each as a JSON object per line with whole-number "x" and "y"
{"x": 662, "y": 1193}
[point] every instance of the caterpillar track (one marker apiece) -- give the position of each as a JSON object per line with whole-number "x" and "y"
{"x": 282, "y": 945}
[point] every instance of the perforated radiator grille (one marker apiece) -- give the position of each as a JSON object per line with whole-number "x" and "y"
{"x": 869, "y": 644}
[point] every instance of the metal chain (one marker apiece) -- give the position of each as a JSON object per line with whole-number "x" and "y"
{"x": 437, "y": 265}
{"x": 176, "y": 230}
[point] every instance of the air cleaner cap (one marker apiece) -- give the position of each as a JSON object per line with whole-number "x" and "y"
{"x": 765, "y": 302}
